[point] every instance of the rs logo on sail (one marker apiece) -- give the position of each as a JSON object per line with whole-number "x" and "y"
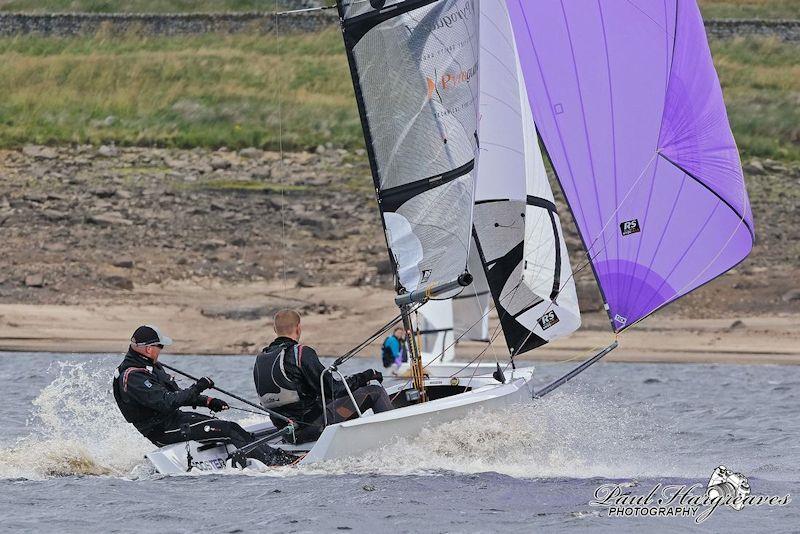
{"x": 548, "y": 319}
{"x": 630, "y": 227}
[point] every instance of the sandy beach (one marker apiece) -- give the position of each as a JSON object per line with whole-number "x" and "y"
{"x": 214, "y": 318}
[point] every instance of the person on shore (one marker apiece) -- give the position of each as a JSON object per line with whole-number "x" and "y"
{"x": 393, "y": 351}
{"x": 150, "y": 399}
{"x": 287, "y": 379}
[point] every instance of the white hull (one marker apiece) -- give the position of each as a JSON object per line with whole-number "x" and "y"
{"x": 355, "y": 437}
{"x": 370, "y": 432}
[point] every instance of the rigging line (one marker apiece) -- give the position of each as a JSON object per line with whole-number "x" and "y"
{"x": 382, "y": 330}
{"x": 248, "y": 411}
{"x": 494, "y": 335}
{"x": 284, "y": 248}
{"x": 304, "y": 10}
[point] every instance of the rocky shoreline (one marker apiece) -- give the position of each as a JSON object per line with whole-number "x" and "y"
{"x": 95, "y": 220}
{"x": 86, "y": 223}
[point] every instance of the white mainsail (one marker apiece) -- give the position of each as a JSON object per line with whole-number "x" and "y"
{"x": 518, "y": 230}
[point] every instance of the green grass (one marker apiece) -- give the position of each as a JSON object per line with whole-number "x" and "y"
{"x": 249, "y": 186}
{"x": 750, "y": 9}
{"x": 255, "y": 90}
{"x": 761, "y": 83}
{"x": 208, "y": 90}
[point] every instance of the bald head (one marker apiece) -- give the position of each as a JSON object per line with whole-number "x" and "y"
{"x": 287, "y": 324}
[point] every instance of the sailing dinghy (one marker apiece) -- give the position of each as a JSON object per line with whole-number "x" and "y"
{"x": 632, "y": 117}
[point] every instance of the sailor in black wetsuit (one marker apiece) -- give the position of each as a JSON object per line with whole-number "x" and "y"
{"x": 150, "y": 399}
{"x": 287, "y": 379}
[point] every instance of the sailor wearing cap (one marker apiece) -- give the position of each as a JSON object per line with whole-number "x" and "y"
{"x": 150, "y": 399}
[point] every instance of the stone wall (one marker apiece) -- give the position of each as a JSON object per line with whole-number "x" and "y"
{"x": 66, "y": 24}
{"x": 63, "y": 24}
{"x": 787, "y": 30}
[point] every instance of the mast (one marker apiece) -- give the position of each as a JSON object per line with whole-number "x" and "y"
{"x": 404, "y": 301}
{"x": 417, "y": 374}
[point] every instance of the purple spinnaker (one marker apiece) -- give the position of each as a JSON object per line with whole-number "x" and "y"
{"x": 629, "y": 108}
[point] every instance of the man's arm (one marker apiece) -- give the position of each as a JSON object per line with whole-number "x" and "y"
{"x": 312, "y": 369}
{"x": 334, "y": 389}
{"x": 200, "y": 400}
{"x": 143, "y": 388}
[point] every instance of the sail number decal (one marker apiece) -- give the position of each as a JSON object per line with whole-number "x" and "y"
{"x": 547, "y": 320}
{"x": 630, "y": 227}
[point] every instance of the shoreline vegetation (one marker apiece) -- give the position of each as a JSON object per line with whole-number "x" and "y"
{"x": 291, "y": 91}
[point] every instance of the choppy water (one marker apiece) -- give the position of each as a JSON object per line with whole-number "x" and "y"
{"x": 69, "y": 462}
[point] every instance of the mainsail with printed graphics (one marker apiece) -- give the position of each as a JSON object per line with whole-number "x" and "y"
{"x": 415, "y": 72}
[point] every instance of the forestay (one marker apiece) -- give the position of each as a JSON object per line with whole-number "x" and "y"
{"x": 517, "y": 227}
{"x": 414, "y": 65}
{"x": 630, "y": 110}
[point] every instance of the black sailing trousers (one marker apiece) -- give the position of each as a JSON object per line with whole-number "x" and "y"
{"x": 198, "y": 427}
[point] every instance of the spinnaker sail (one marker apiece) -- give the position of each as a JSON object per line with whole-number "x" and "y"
{"x": 414, "y": 65}
{"x": 629, "y": 107}
{"x": 516, "y": 224}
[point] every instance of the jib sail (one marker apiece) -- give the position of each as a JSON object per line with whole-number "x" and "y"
{"x": 517, "y": 227}
{"x": 414, "y": 65}
{"x": 629, "y": 107}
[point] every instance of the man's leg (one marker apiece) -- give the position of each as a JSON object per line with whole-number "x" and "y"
{"x": 203, "y": 428}
{"x": 342, "y": 409}
{"x": 366, "y": 397}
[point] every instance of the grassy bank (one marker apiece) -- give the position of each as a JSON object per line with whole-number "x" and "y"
{"x": 761, "y": 81}
{"x": 233, "y": 91}
{"x": 750, "y": 9}
{"x": 205, "y": 90}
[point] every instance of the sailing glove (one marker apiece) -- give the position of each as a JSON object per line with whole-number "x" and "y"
{"x": 372, "y": 374}
{"x": 217, "y": 405}
{"x": 203, "y": 384}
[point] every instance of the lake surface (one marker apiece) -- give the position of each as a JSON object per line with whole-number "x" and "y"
{"x": 70, "y": 463}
